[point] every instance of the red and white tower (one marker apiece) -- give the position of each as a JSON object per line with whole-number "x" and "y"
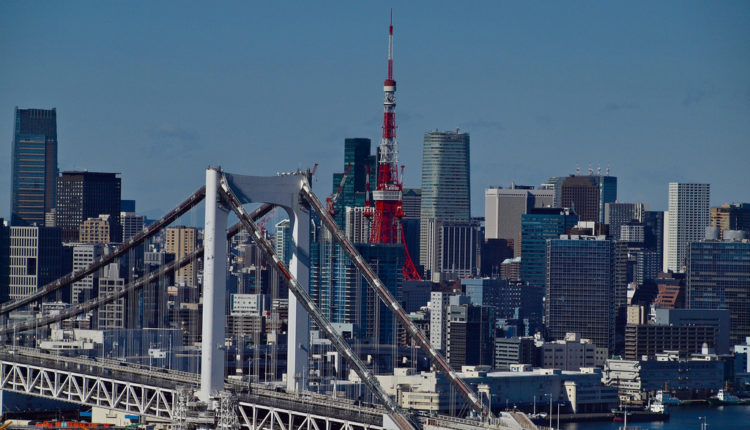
{"x": 386, "y": 224}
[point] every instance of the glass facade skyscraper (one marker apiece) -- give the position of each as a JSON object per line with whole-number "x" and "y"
{"x": 587, "y": 195}
{"x": 536, "y": 227}
{"x": 586, "y": 288}
{"x": 718, "y": 277}
{"x": 356, "y": 153}
{"x": 446, "y": 186}
{"x": 34, "y": 165}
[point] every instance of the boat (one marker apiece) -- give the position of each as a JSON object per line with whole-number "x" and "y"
{"x": 724, "y": 397}
{"x": 666, "y": 399}
{"x": 656, "y": 407}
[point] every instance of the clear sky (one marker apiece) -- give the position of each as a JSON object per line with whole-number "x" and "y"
{"x": 657, "y": 91}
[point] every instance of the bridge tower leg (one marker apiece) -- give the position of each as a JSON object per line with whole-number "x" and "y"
{"x": 214, "y": 290}
{"x": 284, "y": 190}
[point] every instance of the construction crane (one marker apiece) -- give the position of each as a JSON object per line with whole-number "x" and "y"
{"x": 331, "y": 201}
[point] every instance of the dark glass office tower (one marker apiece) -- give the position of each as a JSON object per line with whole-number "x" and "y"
{"x": 356, "y": 153}
{"x": 34, "y": 165}
{"x": 536, "y": 227}
{"x": 84, "y": 195}
{"x": 587, "y": 195}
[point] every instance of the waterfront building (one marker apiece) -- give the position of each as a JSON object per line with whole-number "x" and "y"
{"x": 572, "y": 353}
{"x": 515, "y": 350}
{"x": 685, "y": 222}
{"x": 521, "y": 387}
{"x": 34, "y": 166}
{"x": 638, "y": 380}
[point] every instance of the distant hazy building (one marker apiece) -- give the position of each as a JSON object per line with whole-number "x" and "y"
{"x": 586, "y": 288}
{"x": 536, "y": 228}
{"x": 282, "y": 241}
{"x": 470, "y": 335}
{"x": 357, "y": 153}
{"x": 503, "y": 208}
{"x": 84, "y": 254}
{"x": 4, "y": 260}
{"x": 34, "y": 165}
{"x": 95, "y": 230}
{"x": 735, "y": 216}
{"x": 181, "y": 241}
{"x": 132, "y": 224}
{"x": 438, "y": 319}
{"x": 358, "y": 225}
{"x": 411, "y": 203}
{"x": 84, "y": 195}
{"x": 718, "y": 277}
{"x": 111, "y": 315}
{"x": 587, "y": 195}
{"x": 618, "y": 214}
{"x": 446, "y": 187}
{"x": 37, "y": 257}
{"x": 686, "y": 221}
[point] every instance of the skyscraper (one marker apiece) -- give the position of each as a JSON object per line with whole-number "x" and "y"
{"x": 34, "y": 165}
{"x": 37, "y": 257}
{"x": 718, "y": 277}
{"x": 688, "y": 218}
{"x": 503, "y": 208}
{"x": 181, "y": 241}
{"x": 84, "y": 195}
{"x": 618, "y": 214}
{"x": 735, "y": 216}
{"x": 586, "y": 288}
{"x": 536, "y": 228}
{"x": 446, "y": 186}
{"x": 587, "y": 195}
{"x": 356, "y": 153}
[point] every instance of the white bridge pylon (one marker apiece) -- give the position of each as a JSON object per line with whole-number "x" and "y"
{"x": 282, "y": 191}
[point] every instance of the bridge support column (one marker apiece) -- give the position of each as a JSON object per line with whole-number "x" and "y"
{"x": 284, "y": 191}
{"x": 214, "y": 290}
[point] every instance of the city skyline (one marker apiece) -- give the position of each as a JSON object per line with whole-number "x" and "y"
{"x": 642, "y": 99}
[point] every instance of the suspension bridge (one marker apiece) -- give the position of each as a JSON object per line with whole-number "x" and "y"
{"x": 207, "y": 398}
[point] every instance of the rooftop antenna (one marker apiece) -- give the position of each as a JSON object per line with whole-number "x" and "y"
{"x": 578, "y": 170}
{"x": 599, "y": 170}
{"x": 607, "y": 170}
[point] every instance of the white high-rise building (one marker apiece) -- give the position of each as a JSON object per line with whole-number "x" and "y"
{"x": 84, "y": 254}
{"x": 358, "y": 226}
{"x": 438, "y": 314}
{"x": 689, "y": 215}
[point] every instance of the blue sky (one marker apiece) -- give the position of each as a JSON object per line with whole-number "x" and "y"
{"x": 657, "y": 91}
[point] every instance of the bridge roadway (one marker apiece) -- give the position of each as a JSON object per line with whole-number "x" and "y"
{"x": 153, "y": 392}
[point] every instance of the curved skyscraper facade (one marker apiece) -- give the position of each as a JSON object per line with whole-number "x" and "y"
{"x": 445, "y": 189}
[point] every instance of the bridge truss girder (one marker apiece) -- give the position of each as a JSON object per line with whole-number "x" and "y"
{"x": 255, "y": 416}
{"x": 90, "y": 390}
